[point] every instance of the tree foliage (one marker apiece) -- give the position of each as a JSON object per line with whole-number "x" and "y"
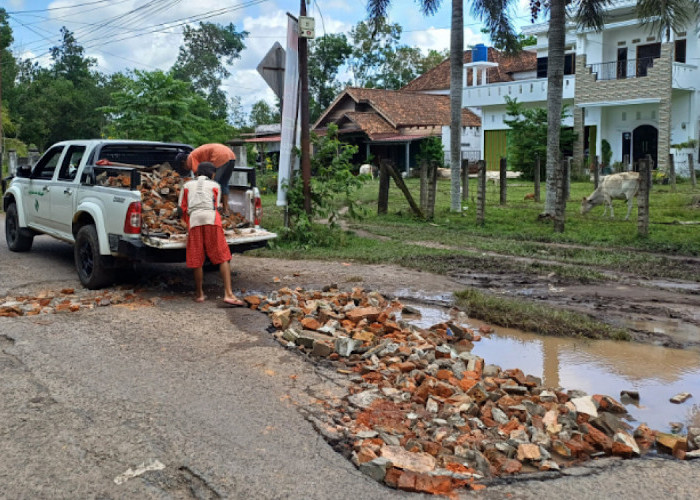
{"x": 262, "y": 113}
{"x": 527, "y": 137}
{"x": 379, "y": 60}
{"x": 62, "y": 101}
{"x": 201, "y": 60}
{"x": 327, "y": 54}
{"x": 153, "y": 105}
{"x": 332, "y": 186}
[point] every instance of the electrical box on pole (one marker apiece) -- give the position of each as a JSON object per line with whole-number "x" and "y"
{"x": 307, "y": 27}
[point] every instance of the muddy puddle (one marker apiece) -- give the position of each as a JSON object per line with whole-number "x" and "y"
{"x": 596, "y": 367}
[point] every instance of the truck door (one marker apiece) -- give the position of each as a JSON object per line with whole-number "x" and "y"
{"x": 37, "y": 200}
{"x": 64, "y": 189}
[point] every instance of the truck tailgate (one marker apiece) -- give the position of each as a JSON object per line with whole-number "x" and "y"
{"x": 243, "y": 237}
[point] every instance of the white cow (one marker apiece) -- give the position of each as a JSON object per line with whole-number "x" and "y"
{"x": 367, "y": 169}
{"x": 623, "y": 186}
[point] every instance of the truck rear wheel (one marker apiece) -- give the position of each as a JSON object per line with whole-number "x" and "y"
{"x": 18, "y": 239}
{"x": 91, "y": 266}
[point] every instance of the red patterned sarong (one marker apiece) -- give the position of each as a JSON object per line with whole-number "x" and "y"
{"x": 206, "y": 240}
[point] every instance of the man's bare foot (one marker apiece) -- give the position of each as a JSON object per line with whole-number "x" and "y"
{"x": 200, "y": 299}
{"x": 233, "y": 301}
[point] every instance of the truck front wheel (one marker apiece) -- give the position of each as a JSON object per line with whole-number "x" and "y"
{"x": 18, "y": 239}
{"x": 92, "y": 267}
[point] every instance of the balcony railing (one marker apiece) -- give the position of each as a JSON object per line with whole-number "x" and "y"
{"x": 621, "y": 70}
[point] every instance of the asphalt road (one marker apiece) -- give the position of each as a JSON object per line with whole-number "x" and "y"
{"x": 205, "y": 392}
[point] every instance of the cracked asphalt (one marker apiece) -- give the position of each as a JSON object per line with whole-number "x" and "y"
{"x": 206, "y": 392}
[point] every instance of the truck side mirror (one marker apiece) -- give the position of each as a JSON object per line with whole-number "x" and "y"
{"x": 24, "y": 171}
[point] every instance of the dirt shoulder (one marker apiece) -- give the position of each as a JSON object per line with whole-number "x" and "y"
{"x": 660, "y": 312}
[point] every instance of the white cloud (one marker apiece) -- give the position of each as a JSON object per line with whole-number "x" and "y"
{"x": 439, "y": 38}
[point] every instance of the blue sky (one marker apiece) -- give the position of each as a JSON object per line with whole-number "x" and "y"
{"x": 149, "y": 38}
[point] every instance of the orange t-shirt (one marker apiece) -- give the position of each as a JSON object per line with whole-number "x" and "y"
{"x": 218, "y": 154}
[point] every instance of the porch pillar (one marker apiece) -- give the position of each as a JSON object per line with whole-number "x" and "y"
{"x": 664, "y": 120}
{"x": 367, "y": 152}
{"x": 664, "y": 142}
{"x": 408, "y": 166}
{"x": 579, "y": 139}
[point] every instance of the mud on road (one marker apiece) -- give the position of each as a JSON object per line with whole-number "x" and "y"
{"x": 207, "y": 392}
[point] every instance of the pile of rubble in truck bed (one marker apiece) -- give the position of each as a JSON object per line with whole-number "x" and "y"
{"x": 160, "y": 189}
{"x": 424, "y": 414}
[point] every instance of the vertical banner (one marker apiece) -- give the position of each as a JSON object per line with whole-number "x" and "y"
{"x": 289, "y": 110}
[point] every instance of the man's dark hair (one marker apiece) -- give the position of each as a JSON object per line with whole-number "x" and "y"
{"x": 179, "y": 163}
{"x": 206, "y": 169}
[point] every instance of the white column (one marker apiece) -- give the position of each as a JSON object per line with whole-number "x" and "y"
{"x": 475, "y": 77}
{"x": 483, "y": 76}
{"x": 408, "y": 167}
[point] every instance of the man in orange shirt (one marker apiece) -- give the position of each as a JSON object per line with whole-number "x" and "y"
{"x": 221, "y": 156}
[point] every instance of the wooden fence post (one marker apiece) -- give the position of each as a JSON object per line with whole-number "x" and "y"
{"x": 691, "y": 166}
{"x": 503, "y": 177}
{"x": 643, "y": 197}
{"x": 481, "y": 193}
{"x": 432, "y": 190}
{"x": 424, "y": 185}
{"x": 465, "y": 180}
{"x": 537, "y": 177}
{"x": 672, "y": 172}
{"x": 383, "y": 199}
{"x": 596, "y": 172}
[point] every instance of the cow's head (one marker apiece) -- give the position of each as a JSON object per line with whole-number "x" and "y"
{"x": 586, "y": 205}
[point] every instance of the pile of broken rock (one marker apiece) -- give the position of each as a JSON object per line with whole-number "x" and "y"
{"x": 424, "y": 414}
{"x": 160, "y": 189}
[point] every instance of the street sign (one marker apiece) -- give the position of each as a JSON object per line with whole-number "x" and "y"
{"x": 307, "y": 27}
{"x": 271, "y": 68}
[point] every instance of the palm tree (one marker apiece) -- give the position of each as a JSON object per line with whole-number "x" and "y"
{"x": 666, "y": 15}
{"x": 495, "y": 15}
{"x": 589, "y": 13}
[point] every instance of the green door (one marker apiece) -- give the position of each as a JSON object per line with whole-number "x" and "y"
{"x": 494, "y": 148}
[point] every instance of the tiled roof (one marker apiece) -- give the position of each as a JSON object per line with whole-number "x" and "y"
{"x": 388, "y": 111}
{"x": 370, "y": 123}
{"x": 438, "y": 78}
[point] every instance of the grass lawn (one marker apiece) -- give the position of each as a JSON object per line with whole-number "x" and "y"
{"x": 591, "y": 245}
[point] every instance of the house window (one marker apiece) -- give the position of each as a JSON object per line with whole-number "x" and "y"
{"x": 569, "y": 65}
{"x": 680, "y": 51}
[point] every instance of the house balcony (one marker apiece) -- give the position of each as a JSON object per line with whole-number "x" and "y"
{"x": 622, "y": 70}
{"x": 685, "y": 76}
{"x": 525, "y": 91}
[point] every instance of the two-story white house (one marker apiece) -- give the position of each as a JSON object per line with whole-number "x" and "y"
{"x": 623, "y": 84}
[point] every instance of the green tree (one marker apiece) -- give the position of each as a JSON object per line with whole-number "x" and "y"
{"x": 154, "y": 105}
{"x": 521, "y": 42}
{"x": 332, "y": 186}
{"x": 261, "y": 113}
{"x": 374, "y": 49}
{"x": 201, "y": 60}
{"x": 62, "y": 101}
{"x": 327, "y": 54}
{"x": 527, "y": 137}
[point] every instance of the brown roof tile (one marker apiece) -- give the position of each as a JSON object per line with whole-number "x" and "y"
{"x": 438, "y": 78}
{"x": 387, "y": 111}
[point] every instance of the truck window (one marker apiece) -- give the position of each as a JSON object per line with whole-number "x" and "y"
{"x": 71, "y": 161}
{"x": 46, "y": 165}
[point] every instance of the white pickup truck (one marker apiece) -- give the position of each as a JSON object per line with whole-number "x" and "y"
{"x": 60, "y": 196}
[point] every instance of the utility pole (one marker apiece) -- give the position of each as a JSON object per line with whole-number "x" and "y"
{"x": 305, "y": 139}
